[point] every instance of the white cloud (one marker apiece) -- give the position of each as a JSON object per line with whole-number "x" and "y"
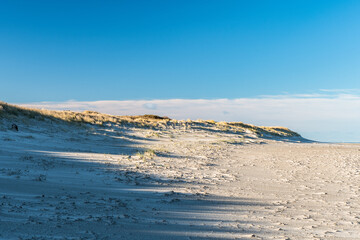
{"x": 337, "y": 91}
{"x": 332, "y": 116}
{"x": 151, "y": 106}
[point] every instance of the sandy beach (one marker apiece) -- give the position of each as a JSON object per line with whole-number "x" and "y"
{"x": 117, "y": 181}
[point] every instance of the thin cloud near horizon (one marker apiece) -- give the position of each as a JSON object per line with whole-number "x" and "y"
{"x": 326, "y": 116}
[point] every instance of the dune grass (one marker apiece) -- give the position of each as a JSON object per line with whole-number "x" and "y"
{"x": 8, "y": 111}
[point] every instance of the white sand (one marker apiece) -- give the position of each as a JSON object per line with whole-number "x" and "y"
{"x": 66, "y": 182}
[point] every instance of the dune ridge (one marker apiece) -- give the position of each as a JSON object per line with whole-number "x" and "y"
{"x": 149, "y": 121}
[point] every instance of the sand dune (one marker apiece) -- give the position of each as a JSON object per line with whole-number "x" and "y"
{"x": 68, "y": 175}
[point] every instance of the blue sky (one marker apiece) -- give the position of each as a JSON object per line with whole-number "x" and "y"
{"x": 121, "y": 50}
{"x": 295, "y": 63}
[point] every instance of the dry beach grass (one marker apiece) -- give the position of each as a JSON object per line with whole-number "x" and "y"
{"x": 70, "y": 175}
{"x": 152, "y": 121}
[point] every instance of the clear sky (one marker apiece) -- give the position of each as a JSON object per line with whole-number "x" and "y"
{"x": 129, "y": 50}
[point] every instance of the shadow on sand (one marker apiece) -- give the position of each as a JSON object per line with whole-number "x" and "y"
{"x": 85, "y": 196}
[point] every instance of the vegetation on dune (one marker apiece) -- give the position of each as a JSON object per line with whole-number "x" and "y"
{"x": 9, "y": 111}
{"x": 91, "y": 117}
